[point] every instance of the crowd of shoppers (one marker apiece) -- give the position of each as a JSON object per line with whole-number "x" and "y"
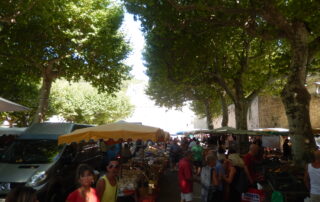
{"x": 223, "y": 176}
{"x": 222, "y": 173}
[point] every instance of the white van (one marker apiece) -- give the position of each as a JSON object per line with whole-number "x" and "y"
{"x": 35, "y": 159}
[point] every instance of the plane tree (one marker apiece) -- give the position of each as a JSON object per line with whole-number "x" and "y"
{"x": 171, "y": 87}
{"x": 67, "y": 39}
{"x": 229, "y": 59}
{"x": 293, "y": 22}
{"x": 82, "y": 103}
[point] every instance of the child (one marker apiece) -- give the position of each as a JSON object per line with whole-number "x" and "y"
{"x": 85, "y": 193}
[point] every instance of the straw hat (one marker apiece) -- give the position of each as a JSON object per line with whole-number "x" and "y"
{"x": 236, "y": 160}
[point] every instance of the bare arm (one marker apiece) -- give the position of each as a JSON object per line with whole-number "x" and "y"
{"x": 231, "y": 175}
{"x": 214, "y": 179}
{"x": 100, "y": 188}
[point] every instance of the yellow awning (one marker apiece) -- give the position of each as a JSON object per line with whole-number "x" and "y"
{"x": 116, "y": 131}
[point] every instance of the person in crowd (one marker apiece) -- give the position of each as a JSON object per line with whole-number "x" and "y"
{"x": 312, "y": 177}
{"x": 231, "y": 142}
{"x": 221, "y": 152}
{"x": 132, "y": 148}
{"x": 140, "y": 153}
{"x": 185, "y": 177}
{"x": 107, "y": 185}
{"x": 85, "y": 193}
{"x": 209, "y": 180}
{"x": 125, "y": 153}
{"x": 138, "y": 146}
{"x": 260, "y": 153}
{"x": 250, "y": 160}
{"x": 220, "y": 173}
{"x": 286, "y": 148}
{"x": 212, "y": 141}
{"x": 184, "y": 144}
{"x": 109, "y": 152}
{"x": 192, "y": 143}
{"x": 174, "y": 154}
{"x": 197, "y": 152}
{"x": 235, "y": 177}
{"x": 22, "y": 194}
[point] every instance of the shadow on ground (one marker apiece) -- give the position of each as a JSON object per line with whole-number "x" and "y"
{"x": 169, "y": 188}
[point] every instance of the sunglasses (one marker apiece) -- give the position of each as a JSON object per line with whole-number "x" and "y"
{"x": 113, "y": 166}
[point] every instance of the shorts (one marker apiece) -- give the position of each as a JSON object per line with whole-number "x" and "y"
{"x": 186, "y": 196}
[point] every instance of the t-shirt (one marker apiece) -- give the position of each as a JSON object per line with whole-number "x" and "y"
{"x": 314, "y": 175}
{"x": 197, "y": 152}
{"x": 75, "y": 196}
{"x": 206, "y": 178}
{"x": 193, "y": 143}
{"x": 220, "y": 169}
{"x": 175, "y": 150}
{"x": 184, "y": 173}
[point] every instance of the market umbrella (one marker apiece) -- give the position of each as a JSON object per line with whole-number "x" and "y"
{"x": 115, "y": 131}
{"x": 8, "y": 106}
{"x": 230, "y": 130}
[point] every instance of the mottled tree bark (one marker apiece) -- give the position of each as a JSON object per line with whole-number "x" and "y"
{"x": 225, "y": 114}
{"x": 296, "y": 98}
{"x": 209, "y": 115}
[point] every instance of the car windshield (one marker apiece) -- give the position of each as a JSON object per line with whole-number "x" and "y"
{"x": 31, "y": 151}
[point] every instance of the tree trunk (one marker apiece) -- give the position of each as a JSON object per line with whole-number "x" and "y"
{"x": 48, "y": 78}
{"x": 209, "y": 115}
{"x": 225, "y": 114}
{"x": 296, "y": 100}
{"x": 241, "y": 109}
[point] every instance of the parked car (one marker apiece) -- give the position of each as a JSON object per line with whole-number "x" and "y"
{"x": 36, "y": 160}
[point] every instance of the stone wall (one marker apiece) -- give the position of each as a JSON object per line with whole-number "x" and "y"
{"x": 315, "y": 111}
{"x": 272, "y": 113}
{"x": 232, "y": 119}
{"x": 269, "y": 112}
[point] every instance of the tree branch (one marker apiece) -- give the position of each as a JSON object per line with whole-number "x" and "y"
{"x": 192, "y": 7}
{"x": 224, "y": 85}
{"x": 26, "y": 60}
{"x": 12, "y": 19}
{"x": 273, "y": 16}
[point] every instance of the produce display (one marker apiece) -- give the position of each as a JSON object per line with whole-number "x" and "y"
{"x": 141, "y": 173}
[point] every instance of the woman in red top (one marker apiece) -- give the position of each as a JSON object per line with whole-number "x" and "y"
{"x": 85, "y": 193}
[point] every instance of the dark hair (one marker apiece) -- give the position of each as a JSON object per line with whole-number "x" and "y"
{"x": 82, "y": 168}
{"x": 22, "y": 194}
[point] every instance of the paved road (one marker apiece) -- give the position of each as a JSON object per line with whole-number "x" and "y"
{"x": 169, "y": 188}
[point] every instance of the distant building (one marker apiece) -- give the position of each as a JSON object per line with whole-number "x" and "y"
{"x": 269, "y": 112}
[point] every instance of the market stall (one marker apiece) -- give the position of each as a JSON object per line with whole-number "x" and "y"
{"x": 139, "y": 175}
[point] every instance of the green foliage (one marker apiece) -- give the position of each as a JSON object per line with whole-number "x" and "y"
{"x": 79, "y": 38}
{"x": 74, "y": 40}
{"x": 20, "y": 88}
{"x": 81, "y": 103}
